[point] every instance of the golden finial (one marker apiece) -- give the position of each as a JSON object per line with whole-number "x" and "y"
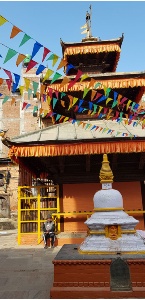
{"x": 106, "y": 174}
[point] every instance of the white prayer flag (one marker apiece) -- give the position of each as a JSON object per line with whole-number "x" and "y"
{"x": 85, "y": 31}
{"x": 84, "y": 26}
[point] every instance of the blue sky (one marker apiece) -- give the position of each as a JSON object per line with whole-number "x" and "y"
{"x": 48, "y": 21}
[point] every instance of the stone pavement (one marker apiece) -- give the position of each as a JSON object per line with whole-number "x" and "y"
{"x": 26, "y": 272}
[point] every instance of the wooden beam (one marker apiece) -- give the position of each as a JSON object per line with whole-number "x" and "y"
{"x": 61, "y": 163}
{"x": 88, "y": 163}
{"x": 142, "y": 161}
{"x": 114, "y": 161}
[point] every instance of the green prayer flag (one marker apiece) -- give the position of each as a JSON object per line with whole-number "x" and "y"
{"x": 25, "y": 39}
{"x": 85, "y": 92}
{"x": 35, "y": 108}
{"x": 10, "y": 54}
{"x": 29, "y": 93}
{"x": 55, "y": 77}
{"x": 5, "y": 99}
{"x": 96, "y": 85}
{"x": 35, "y": 87}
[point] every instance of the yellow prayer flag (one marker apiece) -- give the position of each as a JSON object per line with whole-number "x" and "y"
{"x": 2, "y": 20}
{"x": 66, "y": 119}
{"x": 108, "y": 100}
{"x": 128, "y": 103}
{"x": 27, "y": 83}
{"x": 48, "y": 100}
{"x": 21, "y": 88}
{"x": 55, "y": 59}
{"x": 101, "y": 107}
{"x": 84, "y": 77}
{"x": 74, "y": 100}
{"x": 48, "y": 74}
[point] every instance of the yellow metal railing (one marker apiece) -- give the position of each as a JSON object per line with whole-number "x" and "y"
{"x": 34, "y": 204}
{"x": 58, "y": 214}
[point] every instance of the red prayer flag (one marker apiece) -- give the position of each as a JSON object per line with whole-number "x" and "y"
{"x": 9, "y": 74}
{"x": 31, "y": 65}
{"x": 9, "y": 82}
{"x": 46, "y": 51}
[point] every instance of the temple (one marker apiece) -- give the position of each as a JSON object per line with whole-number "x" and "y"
{"x": 97, "y": 110}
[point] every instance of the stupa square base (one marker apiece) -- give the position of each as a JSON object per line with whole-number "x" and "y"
{"x": 82, "y": 276}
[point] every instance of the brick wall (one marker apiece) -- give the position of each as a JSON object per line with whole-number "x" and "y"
{"x": 17, "y": 122}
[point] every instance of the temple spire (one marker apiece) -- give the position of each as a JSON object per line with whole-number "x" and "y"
{"x": 106, "y": 175}
{"x": 87, "y": 25}
{"x": 88, "y": 22}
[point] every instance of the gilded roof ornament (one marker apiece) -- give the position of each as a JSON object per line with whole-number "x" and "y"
{"x": 106, "y": 174}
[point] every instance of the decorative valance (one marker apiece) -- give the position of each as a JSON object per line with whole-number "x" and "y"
{"x": 79, "y": 148}
{"x": 112, "y": 83}
{"x": 82, "y": 49}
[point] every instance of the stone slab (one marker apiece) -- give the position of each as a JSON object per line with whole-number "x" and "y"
{"x": 70, "y": 252}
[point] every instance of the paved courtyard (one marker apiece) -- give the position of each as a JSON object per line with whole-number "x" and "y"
{"x": 26, "y": 272}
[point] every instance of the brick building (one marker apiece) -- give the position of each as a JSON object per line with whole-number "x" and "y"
{"x": 16, "y": 121}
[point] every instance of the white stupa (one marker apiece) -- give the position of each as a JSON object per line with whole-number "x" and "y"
{"x": 111, "y": 230}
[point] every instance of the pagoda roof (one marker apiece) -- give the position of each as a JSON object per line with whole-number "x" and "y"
{"x": 105, "y": 52}
{"x": 102, "y": 77}
{"x": 115, "y": 80}
{"x": 91, "y": 42}
{"x": 71, "y": 139}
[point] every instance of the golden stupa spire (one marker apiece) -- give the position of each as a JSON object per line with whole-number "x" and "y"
{"x": 106, "y": 174}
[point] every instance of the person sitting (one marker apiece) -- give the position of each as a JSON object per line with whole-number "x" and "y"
{"x": 49, "y": 232}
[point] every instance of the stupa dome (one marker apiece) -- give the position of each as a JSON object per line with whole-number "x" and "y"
{"x": 108, "y": 199}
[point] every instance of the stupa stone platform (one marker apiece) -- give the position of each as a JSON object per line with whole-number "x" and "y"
{"x": 83, "y": 276}
{"x": 110, "y": 262}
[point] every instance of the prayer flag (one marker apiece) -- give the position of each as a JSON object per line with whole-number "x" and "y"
{"x": 20, "y": 58}
{"x": 36, "y": 48}
{"x": 25, "y": 39}
{"x": 14, "y": 32}
{"x": 31, "y": 64}
{"x": 2, "y": 20}
{"x": 10, "y": 54}
{"x": 45, "y": 52}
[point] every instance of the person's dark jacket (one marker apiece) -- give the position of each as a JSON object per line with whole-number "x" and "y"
{"x": 51, "y": 226}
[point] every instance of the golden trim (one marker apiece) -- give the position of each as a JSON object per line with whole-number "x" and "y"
{"x": 106, "y": 232}
{"x": 96, "y": 232}
{"x": 128, "y": 231}
{"x": 108, "y": 209}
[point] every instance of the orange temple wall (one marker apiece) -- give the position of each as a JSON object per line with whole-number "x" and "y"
{"x": 79, "y": 197}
